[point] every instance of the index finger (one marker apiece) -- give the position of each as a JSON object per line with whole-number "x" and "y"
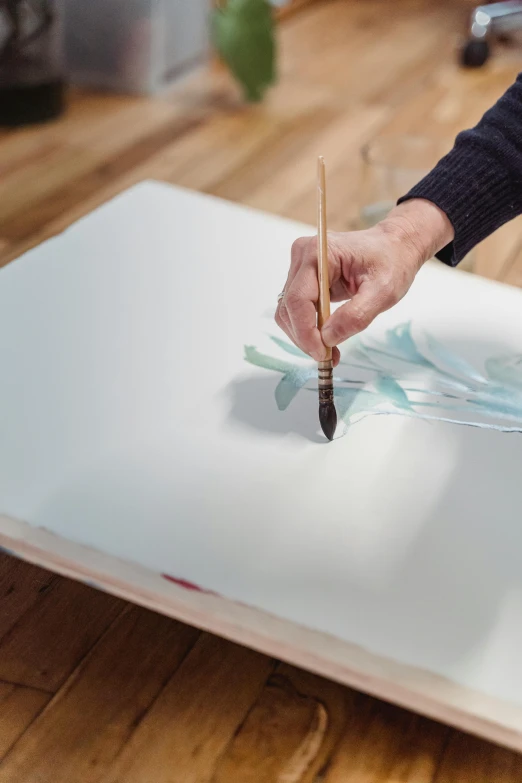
{"x": 301, "y": 306}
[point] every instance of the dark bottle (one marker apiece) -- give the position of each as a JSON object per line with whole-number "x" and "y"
{"x": 31, "y": 84}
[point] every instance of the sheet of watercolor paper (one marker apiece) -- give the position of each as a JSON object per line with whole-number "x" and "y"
{"x": 151, "y": 409}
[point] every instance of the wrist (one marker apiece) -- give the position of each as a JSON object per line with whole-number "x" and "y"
{"x": 420, "y": 228}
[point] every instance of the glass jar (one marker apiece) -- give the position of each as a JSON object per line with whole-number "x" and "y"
{"x": 391, "y": 166}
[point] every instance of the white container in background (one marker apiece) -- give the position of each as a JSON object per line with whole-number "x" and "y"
{"x": 138, "y": 46}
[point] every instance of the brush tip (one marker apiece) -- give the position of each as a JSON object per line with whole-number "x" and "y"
{"x": 328, "y": 419}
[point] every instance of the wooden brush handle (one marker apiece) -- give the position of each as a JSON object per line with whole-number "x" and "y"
{"x": 323, "y": 306}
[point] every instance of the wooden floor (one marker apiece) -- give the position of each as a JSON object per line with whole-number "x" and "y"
{"x": 98, "y": 691}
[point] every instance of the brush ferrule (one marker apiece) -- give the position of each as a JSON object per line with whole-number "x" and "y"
{"x": 326, "y": 366}
{"x": 325, "y": 374}
{"x": 325, "y": 377}
{"x": 326, "y": 396}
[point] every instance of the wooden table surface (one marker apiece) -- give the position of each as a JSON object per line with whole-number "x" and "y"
{"x": 99, "y": 691}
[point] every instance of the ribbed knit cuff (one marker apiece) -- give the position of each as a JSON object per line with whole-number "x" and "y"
{"x": 476, "y": 194}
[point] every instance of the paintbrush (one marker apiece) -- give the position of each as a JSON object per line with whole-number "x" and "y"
{"x": 327, "y": 412}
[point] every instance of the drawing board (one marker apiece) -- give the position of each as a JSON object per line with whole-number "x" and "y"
{"x": 159, "y": 439}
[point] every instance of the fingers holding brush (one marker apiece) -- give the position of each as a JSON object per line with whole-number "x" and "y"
{"x": 300, "y": 251}
{"x": 297, "y": 309}
{"x": 369, "y": 271}
{"x": 302, "y": 329}
{"x": 300, "y": 303}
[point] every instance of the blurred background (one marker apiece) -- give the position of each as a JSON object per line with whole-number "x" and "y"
{"x": 234, "y": 98}
{"x": 237, "y": 97}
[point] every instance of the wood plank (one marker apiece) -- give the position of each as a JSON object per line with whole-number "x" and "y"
{"x": 88, "y": 723}
{"x": 195, "y": 717}
{"x": 233, "y": 138}
{"x": 19, "y": 706}
{"x": 83, "y": 179}
{"x": 451, "y": 100}
{"x": 496, "y": 255}
{"x": 86, "y": 111}
{"x": 69, "y": 174}
{"x": 364, "y": 51}
{"x": 191, "y": 152}
{"x": 198, "y": 159}
{"x": 248, "y": 128}
{"x": 470, "y": 759}
{"x": 290, "y": 733}
{"x": 21, "y": 587}
{"x": 290, "y": 142}
{"x": 290, "y": 191}
{"x": 44, "y": 646}
{"x": 455, "y": 99}
{"x": 384, "y": 744}
{"x": 293, "y": 7}
{"x": 429, "y": 694}
{"x": 512, "y": 271}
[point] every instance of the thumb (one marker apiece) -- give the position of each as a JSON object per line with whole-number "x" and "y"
{"x": 357, "y": 314}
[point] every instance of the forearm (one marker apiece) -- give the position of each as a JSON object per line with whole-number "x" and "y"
{"x": 478, "y": 185}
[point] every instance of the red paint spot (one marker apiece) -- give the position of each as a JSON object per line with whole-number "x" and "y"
{"x": 187, "y": 585}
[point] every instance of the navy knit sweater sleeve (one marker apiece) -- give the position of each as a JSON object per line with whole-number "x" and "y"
{"x": 479, "y": 183}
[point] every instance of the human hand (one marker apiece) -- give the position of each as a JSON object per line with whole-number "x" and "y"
{"x": 371, "y": 269}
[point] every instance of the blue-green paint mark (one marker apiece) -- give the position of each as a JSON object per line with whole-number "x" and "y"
{"x": 290, "y": 384}
{"x": 400, "y": 342}
{"x": 447, "y": 362}
{"x": 496, "y": 394}
{"x": 506, "y": 370}
{"x": 289, "y": 348}
{"x": 389, "y": 388}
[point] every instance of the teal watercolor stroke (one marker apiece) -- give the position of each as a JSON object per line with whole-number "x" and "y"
{"x": 456, "y": 388}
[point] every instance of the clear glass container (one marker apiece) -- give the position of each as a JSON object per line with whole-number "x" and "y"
{"x": 391, "y": 166}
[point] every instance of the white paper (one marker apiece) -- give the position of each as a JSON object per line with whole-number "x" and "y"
{"x": 131, "y": 422}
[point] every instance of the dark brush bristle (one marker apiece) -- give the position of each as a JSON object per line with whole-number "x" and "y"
{"x": 328, "y": 419}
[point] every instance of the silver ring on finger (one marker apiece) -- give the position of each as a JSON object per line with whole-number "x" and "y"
{"x": 280, "y": 296}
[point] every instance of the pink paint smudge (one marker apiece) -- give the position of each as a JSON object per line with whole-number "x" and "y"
{"x": 187, "y": 585}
